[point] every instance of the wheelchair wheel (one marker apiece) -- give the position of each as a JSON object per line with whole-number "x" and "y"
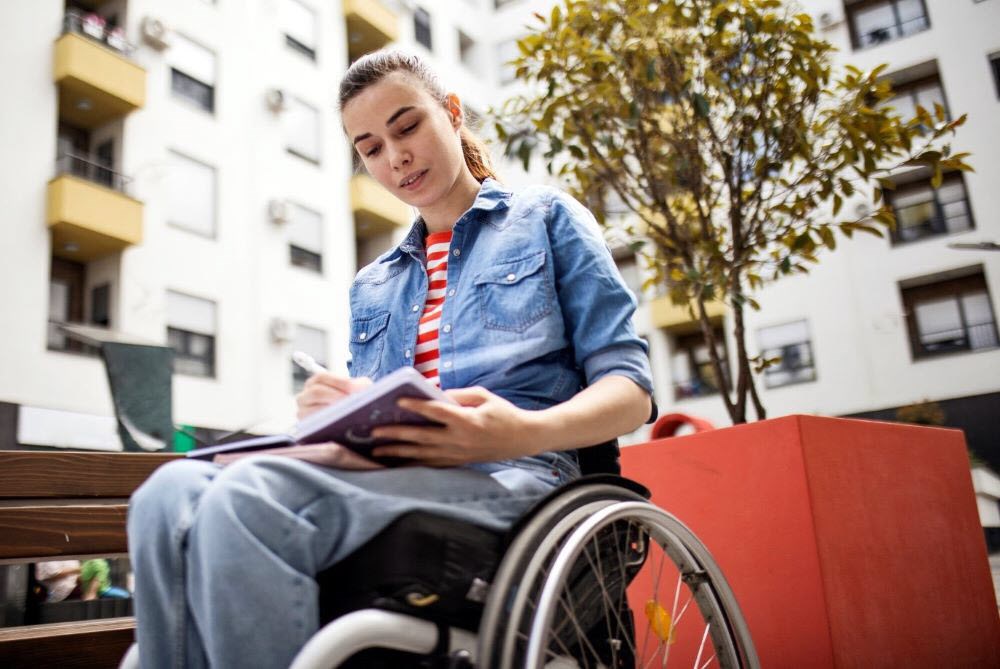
{"x": 613, "y": 583}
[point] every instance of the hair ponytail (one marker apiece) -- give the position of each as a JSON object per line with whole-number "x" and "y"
{"x": 373, "y": 67}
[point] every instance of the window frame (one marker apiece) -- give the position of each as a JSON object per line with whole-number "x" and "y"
{"x": 318, "y": 158}
{"x": 187, "y": 337}
{"x": 939, "y": 219}
{"x": 419, "y": 27}
{"x": 682, "y": 343}
{"x": 956, "y": 287}
{"x": 774, "y": 351}
{"x": 852, "y": 8}
{"x": 215, "y": 199}
{"x": 210, "y": 359}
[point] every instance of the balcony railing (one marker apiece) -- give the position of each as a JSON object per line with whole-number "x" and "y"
{"x": 891, "y": 32}
{"x": 968, "y": 338}
{"x": 94, "y": 26}
{"x": 87, "y": 167}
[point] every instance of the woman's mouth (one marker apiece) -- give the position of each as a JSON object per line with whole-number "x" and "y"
{"x": 413, "y": 181}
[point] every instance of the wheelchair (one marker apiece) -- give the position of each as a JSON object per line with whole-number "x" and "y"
{"x": 594, "y": 576}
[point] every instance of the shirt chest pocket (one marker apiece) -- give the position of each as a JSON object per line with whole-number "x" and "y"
{"x": 368, "y": 335}
{"x": 515, "y": 294}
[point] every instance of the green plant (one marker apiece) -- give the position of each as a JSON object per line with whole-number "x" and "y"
{"x": 719, "y": 124}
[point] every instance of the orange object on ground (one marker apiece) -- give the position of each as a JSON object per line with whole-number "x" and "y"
{"x": 848, "y": 543}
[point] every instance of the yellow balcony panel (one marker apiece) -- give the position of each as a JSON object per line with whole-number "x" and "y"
{"x": 676, "y": 318}
{"x": 370, "y": 26}
{"x": 89, "y": 220}
{"x": 96, "y": 83}
{"x": 375, "y": 210}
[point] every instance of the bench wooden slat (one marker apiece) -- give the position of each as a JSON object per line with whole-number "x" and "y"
{"x": 31, "y": 531}
{"x": 27, "y": 474}
{"x": 96, "y": 644}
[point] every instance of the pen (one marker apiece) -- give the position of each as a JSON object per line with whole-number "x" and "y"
{"x": 306, "y": 362}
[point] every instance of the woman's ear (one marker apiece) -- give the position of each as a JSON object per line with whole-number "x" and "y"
{"x": 454, "y": 108}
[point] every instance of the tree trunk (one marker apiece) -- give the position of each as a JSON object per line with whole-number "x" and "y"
{"x": 721, "y": 373}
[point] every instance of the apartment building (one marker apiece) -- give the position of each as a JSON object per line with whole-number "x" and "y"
{"x": 176, "y": 175}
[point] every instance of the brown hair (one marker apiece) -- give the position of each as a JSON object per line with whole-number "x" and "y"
{"x": 373, "y": 67}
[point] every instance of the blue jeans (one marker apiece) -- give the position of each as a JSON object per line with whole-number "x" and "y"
{"x": 225, "y": 558}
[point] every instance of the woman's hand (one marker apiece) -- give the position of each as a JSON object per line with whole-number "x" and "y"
{"x": 324, "y": 389}
{"x": 483, "y": 428}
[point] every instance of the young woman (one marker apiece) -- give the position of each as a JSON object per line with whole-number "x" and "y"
{"x": 510, "y": 302}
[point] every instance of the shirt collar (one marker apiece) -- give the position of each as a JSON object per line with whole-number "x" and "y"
{"x": 491, "y": 196}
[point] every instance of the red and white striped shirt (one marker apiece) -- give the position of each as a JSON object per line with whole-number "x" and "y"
{"x": 427, "y": 353}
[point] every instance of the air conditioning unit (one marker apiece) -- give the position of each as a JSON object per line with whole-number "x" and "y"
{"x": 829, "y": 19}
{"x": 282, "y": 331}
{"x": 276, "y": 100}
{"x": 278, "y": 211}
{"x": 155, "y": 33}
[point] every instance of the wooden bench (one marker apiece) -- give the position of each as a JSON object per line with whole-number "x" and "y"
{"x": 59, "y": 505}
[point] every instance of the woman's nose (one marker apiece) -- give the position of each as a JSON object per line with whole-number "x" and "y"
{"x": 399, "y": 158}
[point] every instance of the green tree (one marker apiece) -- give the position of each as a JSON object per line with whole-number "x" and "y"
{"x": 719, "y": 124}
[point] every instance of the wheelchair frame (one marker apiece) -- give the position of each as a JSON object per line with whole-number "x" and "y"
{"x": 524, "y": 598}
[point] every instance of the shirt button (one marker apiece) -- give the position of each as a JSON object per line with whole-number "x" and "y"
{"x": 406, "y": 353}
{"x": 416, "y": 307}
{"x": 511, "y": 277}
{"x": 447, "y": 328}
{"x": 451, "y": 293}
{"x": 363, "y": 336}
{"x": 457, "y": 252}
{"x": 447, "y": 364}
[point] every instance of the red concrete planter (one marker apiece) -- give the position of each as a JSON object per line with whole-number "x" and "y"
{"x": 848, "y": 543}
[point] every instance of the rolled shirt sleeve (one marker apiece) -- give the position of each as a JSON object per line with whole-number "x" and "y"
{"x": 597, "y": 306}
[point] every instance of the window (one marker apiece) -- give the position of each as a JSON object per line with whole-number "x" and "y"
{"x": 422, "y": 27}
{"x": 191, "y": 333}
{"x": 877, "y": 21}
{"x": 191, "y": 189}
{"x": 506, "y": 52}
{"x": 66, "y": 288}
{"x": 922, "y": 211}
{"x": 192, "y": 73}
{"x": 305, "y": 237}
{"x": 790, "y": 343}
{"x": 467, "y": 50}
{"x": 73, "y": 302}
{"x": 312, "y": 341}
{"x": 300, "y": 124}
{"x": 923, "y": 92}
{"x": 691, "y": 365}
{"x": 954, "y": 314}
{"x": 100, "y": 305}
{"x": 995, "y": 65}
{"x": 299, "y": 24}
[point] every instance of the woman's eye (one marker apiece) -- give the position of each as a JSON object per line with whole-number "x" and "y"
{"x": 371, "y": 152}
{"x": 410, "y": 128}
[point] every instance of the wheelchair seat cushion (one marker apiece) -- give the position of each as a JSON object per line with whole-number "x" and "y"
{"x": 430, "y": 566}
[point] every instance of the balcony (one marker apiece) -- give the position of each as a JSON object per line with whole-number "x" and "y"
{"x": 375, "y": 210}
{"x": 370, "y": 26}
{"x": 97, "y": 80}
{"x": 89, "y": 214}
{"x": 672, "y": 317}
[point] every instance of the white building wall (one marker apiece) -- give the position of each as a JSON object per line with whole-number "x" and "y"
{"x": 851, "y": 300}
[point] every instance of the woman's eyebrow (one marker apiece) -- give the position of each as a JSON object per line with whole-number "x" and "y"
{"x": 399, "y": 112}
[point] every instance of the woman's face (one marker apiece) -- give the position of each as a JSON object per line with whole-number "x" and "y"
{"x": 407, "y": 140}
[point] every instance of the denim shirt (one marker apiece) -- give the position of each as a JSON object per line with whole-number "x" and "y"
{"x": 535, "y": 308}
